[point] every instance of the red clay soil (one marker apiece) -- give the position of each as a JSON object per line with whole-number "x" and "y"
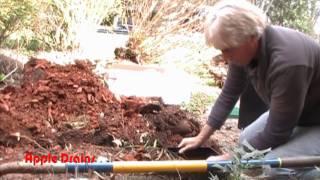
{"x": 60, "y": 105}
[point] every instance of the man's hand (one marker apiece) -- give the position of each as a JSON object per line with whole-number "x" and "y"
{"x": 189, "y": 143}
{"x": 194, "y": 142}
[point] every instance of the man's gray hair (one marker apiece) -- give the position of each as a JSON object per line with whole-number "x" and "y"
{"x": 232, "y": 22}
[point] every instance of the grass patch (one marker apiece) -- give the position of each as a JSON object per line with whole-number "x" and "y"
{"x": 198, "y": 103}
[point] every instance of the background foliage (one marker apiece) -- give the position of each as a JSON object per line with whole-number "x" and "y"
{"x": 297, "y": 14}
{"x": 60, "y": 24}
{"x": 51, "y": 24}
{"x": 14, "y": 16}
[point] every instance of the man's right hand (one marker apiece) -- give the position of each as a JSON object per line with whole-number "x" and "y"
{"x": 194, "y": 142}
{"x": 189, "y": 143}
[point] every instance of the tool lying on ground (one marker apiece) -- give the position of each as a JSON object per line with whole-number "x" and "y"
{"x": 153, "y": 166}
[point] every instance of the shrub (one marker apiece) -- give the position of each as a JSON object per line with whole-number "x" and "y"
{"x": 15, "y": 15}
{"x": 153, "y": 20}
{"x": 64, "y": 23}
{"x": 53, "y": 24}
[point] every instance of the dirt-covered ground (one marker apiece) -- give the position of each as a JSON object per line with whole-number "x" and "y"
{"x": 67, "y": 108}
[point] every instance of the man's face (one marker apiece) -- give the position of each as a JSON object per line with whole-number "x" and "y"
{"x": 243, "y": 54}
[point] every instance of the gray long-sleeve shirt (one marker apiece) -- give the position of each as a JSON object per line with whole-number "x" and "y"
{"x": 286, "y": 75}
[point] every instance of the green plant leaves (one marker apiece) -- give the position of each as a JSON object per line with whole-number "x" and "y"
{"x": 198, "y": 103}
{"x": 2, "y": 76}
{"x": 14, "y": 15}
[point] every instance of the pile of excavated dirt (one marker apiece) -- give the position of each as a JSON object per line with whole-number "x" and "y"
{"x": 61, "y": 105}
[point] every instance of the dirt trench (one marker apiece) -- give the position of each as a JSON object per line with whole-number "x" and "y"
{"x": 56, "y": 106}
